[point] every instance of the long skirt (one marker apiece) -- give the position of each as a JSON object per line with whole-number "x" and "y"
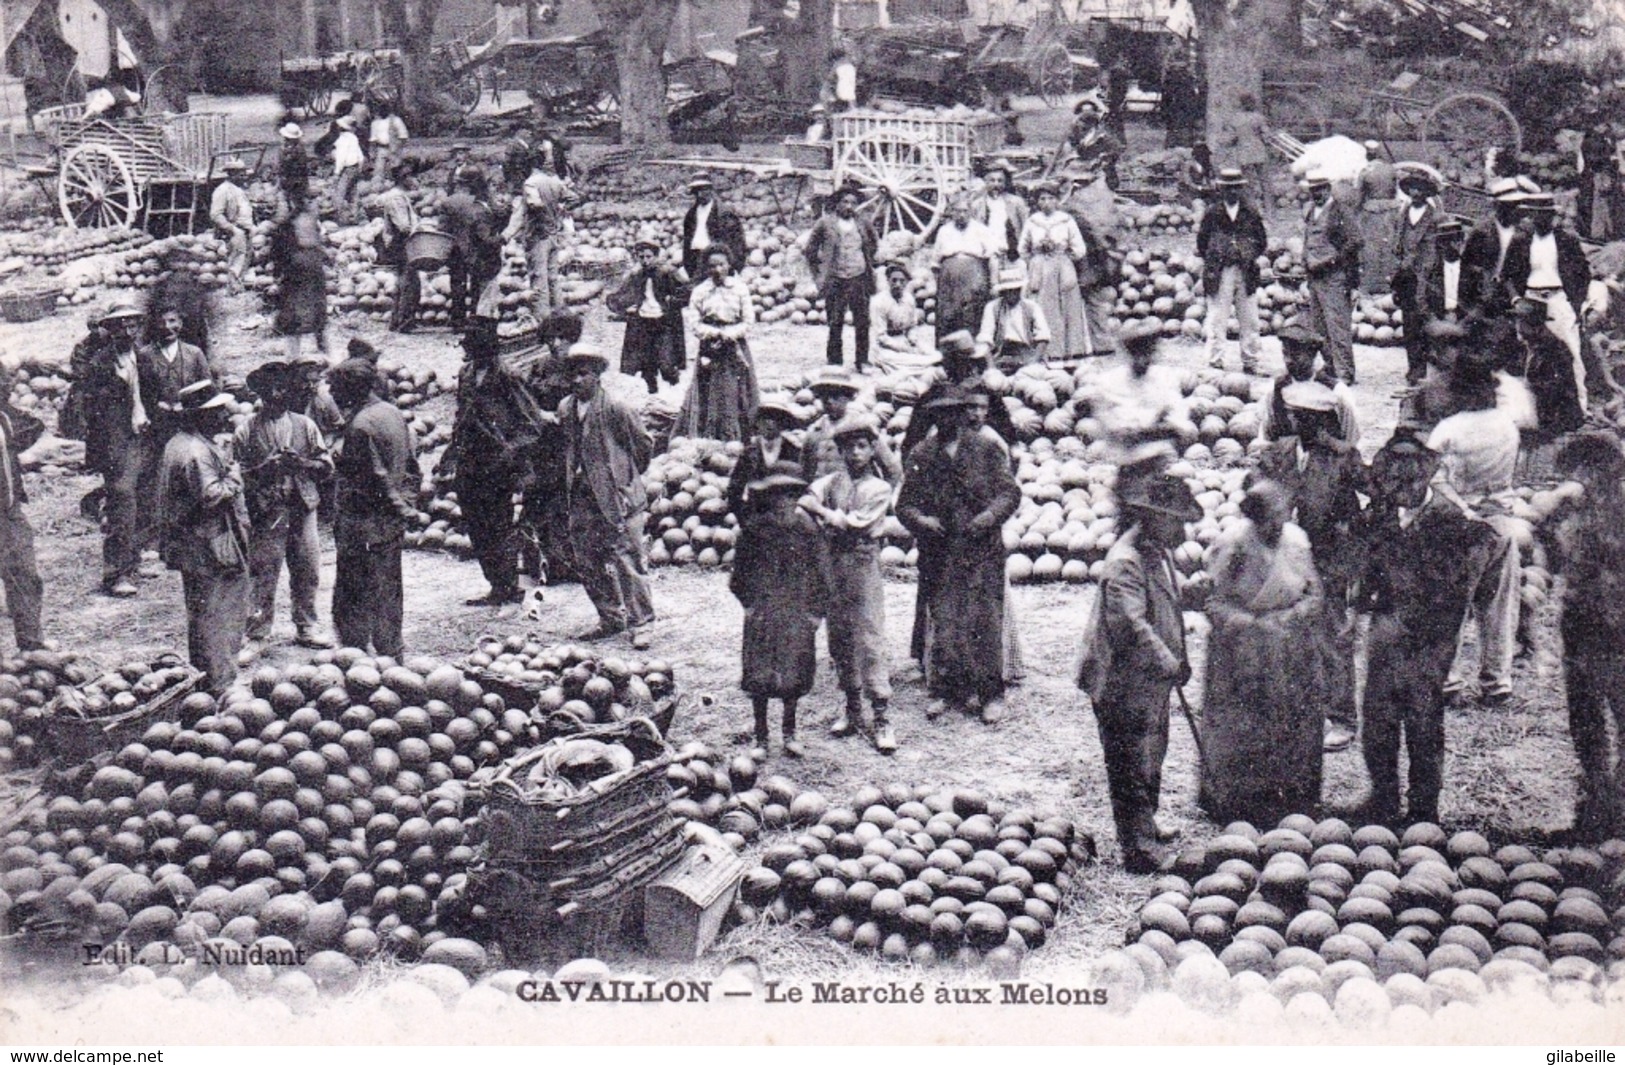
{"x": 962, "y": 294}
{"x": 722, "y": 396}
{"x": 964, "y": 638}
{"x": 1269, "y": 680}
{"x": 653, "y": 346}
{"x": 779, "y": 658}
{"x": 302, "y": 303}
{"x": 1053, "y": 281}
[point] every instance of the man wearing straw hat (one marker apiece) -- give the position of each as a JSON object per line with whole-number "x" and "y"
{"x": 1134, "y": 658}
{"x": 1331, "y": 254}
{"x": 1230, "y": 240}
{"x": 1422, "y": 551}
{"x": 233, "y": 216}
{"x": 1014, "y": 331}
{"x": 293, "y": 164}
{"x": 709, "y": 224}
{"x": 1415, "y": 255}
{"x": 1484, "y": 254}
{"x": 204, "y": 531}
{"x": 606, "y": 451}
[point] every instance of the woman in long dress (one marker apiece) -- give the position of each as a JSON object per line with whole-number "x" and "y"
{"x": 301, "y": 272}
{"x": 722, "y": 395}
{"x": 1268, "y": 668}
{"x": 1051, "y": 243}
{"x": 964, "y": 251}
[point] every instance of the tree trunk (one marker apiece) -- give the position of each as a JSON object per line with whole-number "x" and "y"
{"x": 159, "y": 34}
{"x": 639, "y": 29}
{"x": 411, "y": 25}
{"x": 1237, "y": 37}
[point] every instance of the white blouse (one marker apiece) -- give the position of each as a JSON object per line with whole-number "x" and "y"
{"x": 1052, "y": 232}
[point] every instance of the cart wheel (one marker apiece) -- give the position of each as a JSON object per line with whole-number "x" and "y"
{"x": 319, "y": 102}
{"x": 1053, "y": 76}
{"x": 467, "y": 89}
{"x": 904, "y": 186}
{"x": 95, "y": 189}
{"x": 1460, "y": 128}
{"x": 1295, "y": 114}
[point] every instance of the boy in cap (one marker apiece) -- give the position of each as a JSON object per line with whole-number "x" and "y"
{"x": 1331, "y": 255}
{"x": 1421, "y": 551}
{"x": 768, "y": 445}
{"x": 957, "y": 493}
{"x": 779, "y": 577}
{"x": 834, "y": 390}
{"x": 1415, "y": 257}
{"x": 651, "y": 299}
{"x": 606, "y": 452}
{"x": 851, "y": 505}
{"x": 1136, "y": 658}
{"x": 1230, "y": 239}
{"x": 204, "y": 532}
{"x": 378, "y": 484}
{"x": 284, "y": 461}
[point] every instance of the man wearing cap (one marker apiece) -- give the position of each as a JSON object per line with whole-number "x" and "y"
{"x": 493, "y": 446}
{"x": 400, "y": 222}
{"x": 708, "y": 224}
{"x": 606, "y": 451}
{"x": 1547, "y": 263}
{"x": 1314, "y": 434}
{"x": 1003, "y": 211}
{"x": 1230, "y": 239}
{"x": 378, "y": 483}
{"x": 851, "y": 505}
{"x": 834, "y": 390}
{"x": 1135, "y": 657}
{"x": 120, "y": 391}
{"x": 957, "y": 492}
{"x": 204, "y": 532}
{"x": 1331, "y": 254}
{"x": 1484, "y": 254}
{"x": 293, "y": 164}
{"x": 348, "y": 161}
{"x": 541, "y": 212}
{"x": 1014, "y": 331}
{"x": 233, "y": 216}
{"x": 1442, "y": 287}
{"x": 841, "y": 249}
{"x": 1421, "y": 551}
{"x": 284, "y": 462}
{"x": 1415, "y": 257}
{"x": 652, "y": 298}
{"x": 19, "y": 571}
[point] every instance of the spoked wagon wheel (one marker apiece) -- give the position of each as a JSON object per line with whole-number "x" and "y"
{"x": 467, "y": 90}
{"x": 903, "y": 182}
{"x": 319, "y": 101}
{"x": 95, "y": 189}
{"x": 1463, "y": 126}
{"x": 1052, "y": 76}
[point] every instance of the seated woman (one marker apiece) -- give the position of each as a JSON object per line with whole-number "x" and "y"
{"x": 896, "y": 315}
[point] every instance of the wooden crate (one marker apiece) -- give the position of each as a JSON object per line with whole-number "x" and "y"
{"x": 684, "y": 908}
{"x": 956, "y": 140}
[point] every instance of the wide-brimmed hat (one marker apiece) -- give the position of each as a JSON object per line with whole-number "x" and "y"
{"x": 1450, "y": 226}
{"x": 1309, "y": 395}
{"x": 856, "y": 425}
{"x": 1163, "y": 494}
{"x": 233, "y": 166}
{"x": 781, "y": 407}
{"x": 959, "y": 342}
{"x": 1230, "y": 177}
{"x": 292, "y": 132}
{"x": 585, "y": 354}
{"x": 780, "y": 477}
{"x": 1316, "y": 180}
{"x": 1416, "y": 174}
{"x": 1140, "y": 336}
{"x": 1296, "y": 334}
{"x": 1001, "y": 165}
{"x": 834, "y": 379}
{"x": 1539, "y": 201}
{"x": 1506, "y": 190}
{"x": 897, "y": 268}
{"x": 269, "y": 377}
{"x": 952, "y": 396}
{"x": 120, "y": 309}
{"x": 1014, "y": 278}
{"x": 203, "y": 395}
{"x": 699, "y": 182}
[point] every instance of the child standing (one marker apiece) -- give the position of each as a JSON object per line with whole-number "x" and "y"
{"x": 851, "y": 505}
{"x": 778, "y": 577}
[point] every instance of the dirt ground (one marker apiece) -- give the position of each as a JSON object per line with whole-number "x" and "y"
{"x": 1509, "y": 772}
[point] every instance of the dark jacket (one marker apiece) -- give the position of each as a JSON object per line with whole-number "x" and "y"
{"x": 1481, "y": 287}
{"x": 955, "y": 489}
{"x": 821, "y": 246}
{"x": 1222, "y": 242}
{"x": 475, "y": 233}
{"x": 1139, "y": 636}
{"x": 188, "y": 367}
{"x": 104, "y": 397}
{"x": 293, "y": 171}
{"x": 726, "y": 232}
{"x": 612, "y": 449}
{"x": 1416, "y": 253}
{"x": 1422, "y": 574}
{"x": 499, "y": 424}
{"x": 203, "y": 516}
{"x": 21, "y": 432}
{"x": 1344, "y": 237}
{"x": 378, "y": 477}
{"x": 1573, "y": 269}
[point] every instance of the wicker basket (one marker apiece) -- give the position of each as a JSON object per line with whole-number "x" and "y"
{"x": 78, "y": 739}
{"x": 28, "y": 305}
